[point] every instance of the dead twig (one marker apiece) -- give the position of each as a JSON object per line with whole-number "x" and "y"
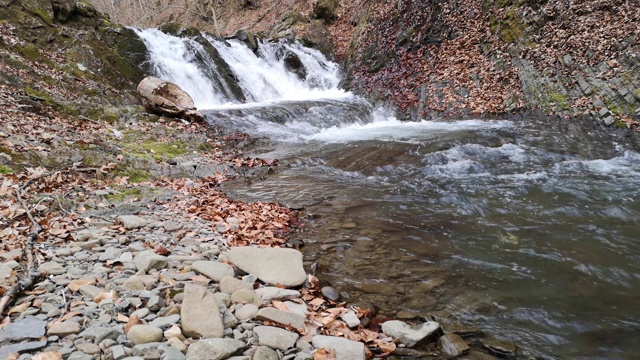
{"x": 33, "y": 275}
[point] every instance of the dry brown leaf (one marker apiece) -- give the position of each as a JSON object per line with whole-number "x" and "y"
{"x": 280, "y": 305}
{"x": 122, "y": 318}
{"x": 387, "y": 347}
{"x": 49, "y": 355}
{"x": 104, "y": 296}
{"x": 133, "y": 321}
{"x": 18, "y": 309}
{"x": 75, "y": 285}
{"x": 324, "y": 354}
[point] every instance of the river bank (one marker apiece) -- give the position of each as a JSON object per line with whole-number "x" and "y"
{"x": 121, "y": 255}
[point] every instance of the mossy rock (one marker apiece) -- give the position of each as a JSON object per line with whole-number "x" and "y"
{"x": 225, "y": 79}
{"x": 179, "y": 30}
{"x": 326, "y": 10}
{"x": 41, "y": 8}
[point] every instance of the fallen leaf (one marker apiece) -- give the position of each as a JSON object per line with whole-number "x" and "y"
{"x": 18, "y": 309}
{"x": 75, "y": 285}
{"x": 324, "y": 354}
{"x": 133, "y": 321}
{"x": 122, "y": 318}
{"x": 49, "y": 355}
{"x": 387, "y": 347}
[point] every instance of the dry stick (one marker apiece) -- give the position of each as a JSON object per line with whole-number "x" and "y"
{"x": 33, "y": 275}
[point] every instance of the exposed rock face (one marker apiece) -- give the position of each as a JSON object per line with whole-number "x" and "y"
{"x": 63, "y": 9}
{"x": 326, "y": 10}
{"x": 166, "y": 98}
{"x": 314, "y": 34}
{"x": 247, "y": 37}
{"x": 293, "y": 63}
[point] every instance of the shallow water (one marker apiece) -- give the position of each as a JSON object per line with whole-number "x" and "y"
{"x": 526, "y": 229}
{"x": 530, "y": 228}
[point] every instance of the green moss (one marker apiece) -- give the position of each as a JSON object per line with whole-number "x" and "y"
{"x": 157, "y": 150}
{"x": 5, "y": 170}
{"x": 32, "y": 53}
{"x": 510, "y": 28}
{"x": 124, "y": 194}
{"x": 134, "y": 175}
{"x": 204, "y": 147}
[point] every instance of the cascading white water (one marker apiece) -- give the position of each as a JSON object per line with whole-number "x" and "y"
{"x": 172, "y": 60}
{"x": 263, "y": 77}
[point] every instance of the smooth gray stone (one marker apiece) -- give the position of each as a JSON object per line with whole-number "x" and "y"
{"x": 345, "y": 349}
{"x": 98, "y": 333}
{"x": 265, "y": 353}
{"x": 131, "y": 222}
{"x": 410, "y": 335}
{"x": 214, "y": 349}
{"x": 453, "y": 345}
{"x": 271, "y": 265}
{"x": 144, "y": 334}
{"x": 213, "y": 269}
{"x": 148, "y": 260}
{"x": 269, "y": 293}
{"x": 282, "y": 317}
{"x": 275, "y": 337}
{"x": 20, "y": 348}
{"x": 29, "y": 328}
{"x": 166, "y": 321}
{"x": 200, "y": 313}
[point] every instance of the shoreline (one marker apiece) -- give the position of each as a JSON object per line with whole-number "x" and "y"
{"x": 104, "y": 226}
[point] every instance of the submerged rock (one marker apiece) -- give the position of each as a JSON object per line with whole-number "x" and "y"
{"x": 452, "y": 344}
{"x": 166, "y": 98}
{"x": 411, "y": 335}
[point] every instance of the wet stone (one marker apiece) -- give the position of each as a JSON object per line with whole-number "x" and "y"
{"x": 330, "y": 293}
{"x": 411, "y": 335}
{"x": 499, "y": 347}
{"x": 453, "y": 345}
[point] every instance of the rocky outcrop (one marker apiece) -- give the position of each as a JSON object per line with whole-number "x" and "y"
{"x": 463, "y": 57}
{"x": 311, "y": 33}
{"x": 166, "y": 98}
{"x": 326, "y": 10}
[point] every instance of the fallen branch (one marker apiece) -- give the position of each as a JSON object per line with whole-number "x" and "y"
{"x": 32, "y": 274}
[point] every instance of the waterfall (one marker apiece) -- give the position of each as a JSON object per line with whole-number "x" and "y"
{"x": 263, "y": 77}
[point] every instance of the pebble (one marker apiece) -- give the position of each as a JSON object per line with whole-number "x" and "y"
{"x": 200, "y": 313}
{"x": 246, "y": 312}
{"x": 64, "y": 329}
{"x": 213, "y": 270}
{"x": 330, "y": 293}
{"x": 214, "y": 349}
{"x": 131, "y": 222}
{"x": 143, "y": 334}
{"x": 148, "y": 260}
{"x": 410, "y": 335}
{"x": 453, "y": 345}
{"x": 345, "y": 349}
{"x": 281, "y": 317}
{"x": 28, "y": 328}
{"x": 275, "y": 337}
{"x": 52, "y": 268}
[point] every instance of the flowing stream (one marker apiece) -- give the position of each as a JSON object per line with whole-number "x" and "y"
{"x": 527, "y": 229}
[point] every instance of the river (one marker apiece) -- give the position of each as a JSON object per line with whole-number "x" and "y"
{"x": 525, "y": 228}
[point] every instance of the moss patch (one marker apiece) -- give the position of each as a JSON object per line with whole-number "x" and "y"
{"x": 5, "y": 170}
{"x": 157, "y": 150}
{"x": 124, "y": 194}
{"x": 135, "y": 175}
